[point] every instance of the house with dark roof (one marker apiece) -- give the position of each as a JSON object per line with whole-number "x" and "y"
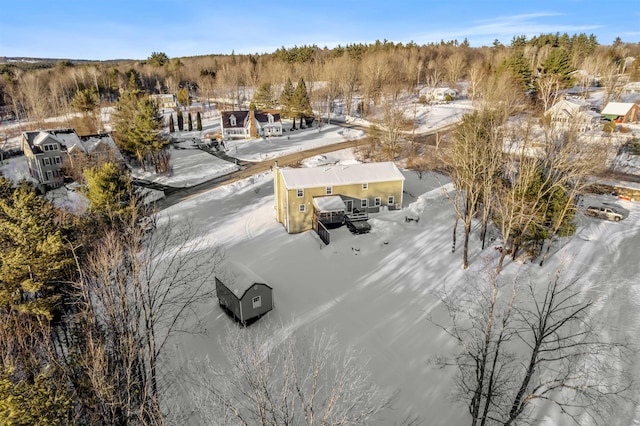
{"x": 250, "y": 124}
{"x": 47, "y": 150}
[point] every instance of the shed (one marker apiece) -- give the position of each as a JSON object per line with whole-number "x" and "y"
{"x": 242, "y": 293}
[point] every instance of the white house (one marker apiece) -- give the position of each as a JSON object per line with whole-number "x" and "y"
{"x": 250, "y": 124}
{"x": 438, "y": 94}
{"x": 569, "y": 112}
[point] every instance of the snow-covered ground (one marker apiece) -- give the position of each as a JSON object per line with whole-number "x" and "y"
{"x": 377, "y": 290}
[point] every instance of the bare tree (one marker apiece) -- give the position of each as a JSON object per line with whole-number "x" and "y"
{"x": 140, "y": 288}
{"x": 475, "y": 161}
{"x": 523, "y": 343}
{"x": 271, "y": 380}
{"x": 548, "y": 89}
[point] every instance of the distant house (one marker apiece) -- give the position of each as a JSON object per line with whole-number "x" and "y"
{"x": 304, "y": 196}
{"x": 575, "y": 113}
{"x": 47, "y": 150}
{"x": 165, "y": 100}
{"x": 250, "y": 124}
{"x": 242, "y": 293}
{"x": 438, "y": 94}
{"x": 632, "y": 87}
{"x": 621, "y": 112}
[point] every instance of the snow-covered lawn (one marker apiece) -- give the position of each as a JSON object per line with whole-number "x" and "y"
{"x": 377, "y": 290}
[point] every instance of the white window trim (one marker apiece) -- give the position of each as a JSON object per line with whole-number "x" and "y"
{"x": 302, "y": 208}
{"x": 46, "y": 161}
{"x": 377, "y": 202}
{"x": 392, "y": 200}
{"x": 300, "y": 193}
{"x": 329, "y": 190}
{"x": 365, "y": 186}
{"x": 257, "y": 302}
{"x": 364, "y": 203}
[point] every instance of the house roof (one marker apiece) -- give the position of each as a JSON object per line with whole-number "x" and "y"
{"x": 240, "y": 117}
{"x": 263, "y": 116}
{"x": 69, "y": 140}
{"x": 569, "y": 106}
{"x": 617, "y": 108}
{"x": 330, "y": 203}
{"x": 238, "y": 278}
{"x": 334, "y": 175}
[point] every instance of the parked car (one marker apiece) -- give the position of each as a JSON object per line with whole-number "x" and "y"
{"x": 607, "y": 213}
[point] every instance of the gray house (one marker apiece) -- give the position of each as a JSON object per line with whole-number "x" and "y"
{"x": 243, "y": 294}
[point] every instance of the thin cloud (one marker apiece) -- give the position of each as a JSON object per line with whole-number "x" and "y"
{"x": 508, "y": 26}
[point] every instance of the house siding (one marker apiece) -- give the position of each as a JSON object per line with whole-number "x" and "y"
{"x": 302, "y": 221}
{"x": 242, "y": 308}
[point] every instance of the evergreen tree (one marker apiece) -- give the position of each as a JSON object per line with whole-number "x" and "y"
{"x": 34, "y": 257}
{"x": 300, "y": 104}
{"x": 285, "y": 98}
{"x": 180, "y": 120}
{"x": 108, "y": 189}
{"x": 138, "y": 125}
{"x": 189, "y": 122}
{"x": 558, "y": 62}
{"x": 198, "y": 121}
{"x": 264, "y": 97}
{"x": 172, "y": 127}
{"x": 183, "y": 97}
{"x": 157, "y": 59}
{"x": 518, "y": 66}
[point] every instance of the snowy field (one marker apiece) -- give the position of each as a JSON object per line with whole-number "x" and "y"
{"x": 376, "y": 290}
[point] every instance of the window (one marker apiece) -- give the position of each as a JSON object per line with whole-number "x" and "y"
{"x": 302, "y": 208}
{"x": 58, "y": 160}
{"x": 257, "y": 302}
{"x": 49, "y": 175}
{"x": 329, "y": 190}
{"x": 377, "y": 201}
{"x": 364, "y": 203}
{"x": 392, "y": 200}
{"x": 300, "y": 193}
{"x": 232, "y": 120}
{"x": 46, "y": 161}
{"x": 365, "y": 186}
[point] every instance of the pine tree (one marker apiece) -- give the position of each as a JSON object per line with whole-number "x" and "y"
{"x": 558, "y": 62}
{"x": 34, "y": 259}
{"x": 180, "y": 120}
{"x": 189, "y": 122}
{"x": 138, "y": 124}
{"x": 285, "y": 98}
{"x": 264, "y": 96}
{"x": 198, "y": 121}
{"x": 172, "y": 127}
{"x": 108, "y": 189}
{"x": 183, "y": 97}
{"x": 300, "y": 104}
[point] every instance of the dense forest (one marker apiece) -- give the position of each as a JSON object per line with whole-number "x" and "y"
{"x": 35, "y": 90}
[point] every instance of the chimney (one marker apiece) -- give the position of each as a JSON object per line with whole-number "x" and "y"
{"x": 253, "y": 132}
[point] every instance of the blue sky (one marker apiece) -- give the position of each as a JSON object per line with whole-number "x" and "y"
{"x": 132, "y": 29}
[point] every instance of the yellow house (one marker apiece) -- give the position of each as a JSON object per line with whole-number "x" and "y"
{"x": 305, "y": 195}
